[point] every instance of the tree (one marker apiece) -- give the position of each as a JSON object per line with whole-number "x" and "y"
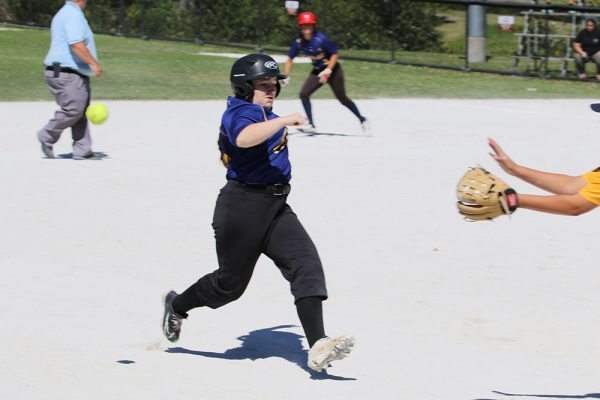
{"x": 38, "y": 12}
{"x": 352, "y": 24}
{"x": 4, "y": 14}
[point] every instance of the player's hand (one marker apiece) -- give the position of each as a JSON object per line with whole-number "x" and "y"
{"x": 295, "y": 119}
{"x": 584, "y": 54}
{"x": 502, "y": 158}
{"x": 286, "y": 81}
{"x": 324, "y": 75}
{"x": 97, "y": 69}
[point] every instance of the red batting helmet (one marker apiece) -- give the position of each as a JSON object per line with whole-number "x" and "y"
{"x": 307, "y": 18}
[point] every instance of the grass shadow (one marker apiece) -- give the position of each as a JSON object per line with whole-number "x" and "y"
{"x": 266, "y": 343}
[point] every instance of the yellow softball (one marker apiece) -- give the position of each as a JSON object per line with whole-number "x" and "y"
{"x": 97, "y": 113}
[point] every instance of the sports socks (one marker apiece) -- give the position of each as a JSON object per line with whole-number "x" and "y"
{"x": 352, "y": 107}
{"x": 185, "y": 302}
{"x": 308, "y": 109}
{"x": 310, "y": 312}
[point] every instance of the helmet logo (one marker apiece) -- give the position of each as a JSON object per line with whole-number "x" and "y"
{"x": 271, "y": 65}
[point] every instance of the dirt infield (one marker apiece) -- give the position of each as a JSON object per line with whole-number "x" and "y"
{"x": 441, "y": 309}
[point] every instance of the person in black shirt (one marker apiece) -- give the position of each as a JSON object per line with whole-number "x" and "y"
{"x": 587, "y": 48}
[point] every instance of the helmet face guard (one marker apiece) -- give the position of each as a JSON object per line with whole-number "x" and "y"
{"x": 307, "y": 18}
{"x": 252, "y": 67}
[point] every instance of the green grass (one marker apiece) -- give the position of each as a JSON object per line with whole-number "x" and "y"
{"x": 498, "y": 43}
{"x": 138, "y": 69}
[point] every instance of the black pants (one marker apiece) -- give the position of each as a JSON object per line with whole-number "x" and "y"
{"x": 336, "y": 81}
{"x": 247, "y": 223}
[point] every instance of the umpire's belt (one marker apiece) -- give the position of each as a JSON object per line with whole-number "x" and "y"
{"x": 277, "y": 189}
{"x": 68, "y": 71}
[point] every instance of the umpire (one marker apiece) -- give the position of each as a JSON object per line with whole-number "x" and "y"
{"x": 252, "y": 216}
{"x": 69, "y": 64}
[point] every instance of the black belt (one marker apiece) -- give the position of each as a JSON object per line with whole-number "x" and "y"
{"x": 67, "y": 70}
{"x": 276, "y": 189}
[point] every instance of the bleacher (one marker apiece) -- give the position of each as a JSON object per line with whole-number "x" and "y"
{"x": 534, "y": 42}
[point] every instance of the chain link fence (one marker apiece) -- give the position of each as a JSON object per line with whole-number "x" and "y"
{"x": 521, "y": 37}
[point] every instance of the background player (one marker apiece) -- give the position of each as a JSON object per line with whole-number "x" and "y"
{"x": 70, "y": 62}
{"x": 326, "y": 68}
{"x": 252, "y": 216}
{"x": 573, "y": 195}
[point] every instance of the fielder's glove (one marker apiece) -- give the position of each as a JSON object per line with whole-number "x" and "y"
{"x": 324, "y": 75}
{"x": 483, "y": 196}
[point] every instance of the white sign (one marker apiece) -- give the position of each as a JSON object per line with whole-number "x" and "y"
{"x": 506, "y": 20}
{"x": 506, "y": 23}
{"x": 292, "y": 7}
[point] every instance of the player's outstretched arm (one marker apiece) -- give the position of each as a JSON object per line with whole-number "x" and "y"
{"x": 559, "y": 184}
{"x": 573, "y": 204}
{"x": 258, "y": 132}
{"x": 287, "y": 69}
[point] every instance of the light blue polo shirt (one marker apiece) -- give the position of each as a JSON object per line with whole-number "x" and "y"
{"x": 69, "y": 26}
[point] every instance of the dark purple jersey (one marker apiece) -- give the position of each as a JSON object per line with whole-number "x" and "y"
{"x": 320, "y": 48}
{"x": 265, "y": 163}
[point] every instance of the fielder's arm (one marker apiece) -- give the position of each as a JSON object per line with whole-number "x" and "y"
{"x": 573, "y": 204}
{"x": 554, "y": 183}
{"x": 287, "y": 69}
{"x": 326, "y": 73}
{"x": 332, "y": 61}
{"x": 559, "y": 184}
{"x": 82, "y": 52}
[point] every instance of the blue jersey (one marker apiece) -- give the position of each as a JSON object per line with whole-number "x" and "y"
{"x": 265, "y": 163}
{"x": 320, "y": 48}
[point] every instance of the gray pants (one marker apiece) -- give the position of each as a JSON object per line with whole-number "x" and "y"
{"x": 72, "y": 94}
{"x": 581, "y": 61}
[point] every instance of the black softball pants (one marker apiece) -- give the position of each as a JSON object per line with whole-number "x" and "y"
{"x": 336, "y": 81}
{"x": 338, "y": 86}
{"x": 249, "y": 222}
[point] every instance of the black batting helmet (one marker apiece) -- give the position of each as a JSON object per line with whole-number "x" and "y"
{"x": 249, "y": 68}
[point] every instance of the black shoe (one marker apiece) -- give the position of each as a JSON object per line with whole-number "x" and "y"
{"x": 171, "y": 320}
{"x": 47, "y": 150}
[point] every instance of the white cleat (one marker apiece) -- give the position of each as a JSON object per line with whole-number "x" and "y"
{"x": 327, "y": 350}
{"x": 366, "y": 128}
{"x": 308, "y": 128}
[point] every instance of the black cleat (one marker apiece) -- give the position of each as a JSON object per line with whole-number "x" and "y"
{"x": 171, "y": 320}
